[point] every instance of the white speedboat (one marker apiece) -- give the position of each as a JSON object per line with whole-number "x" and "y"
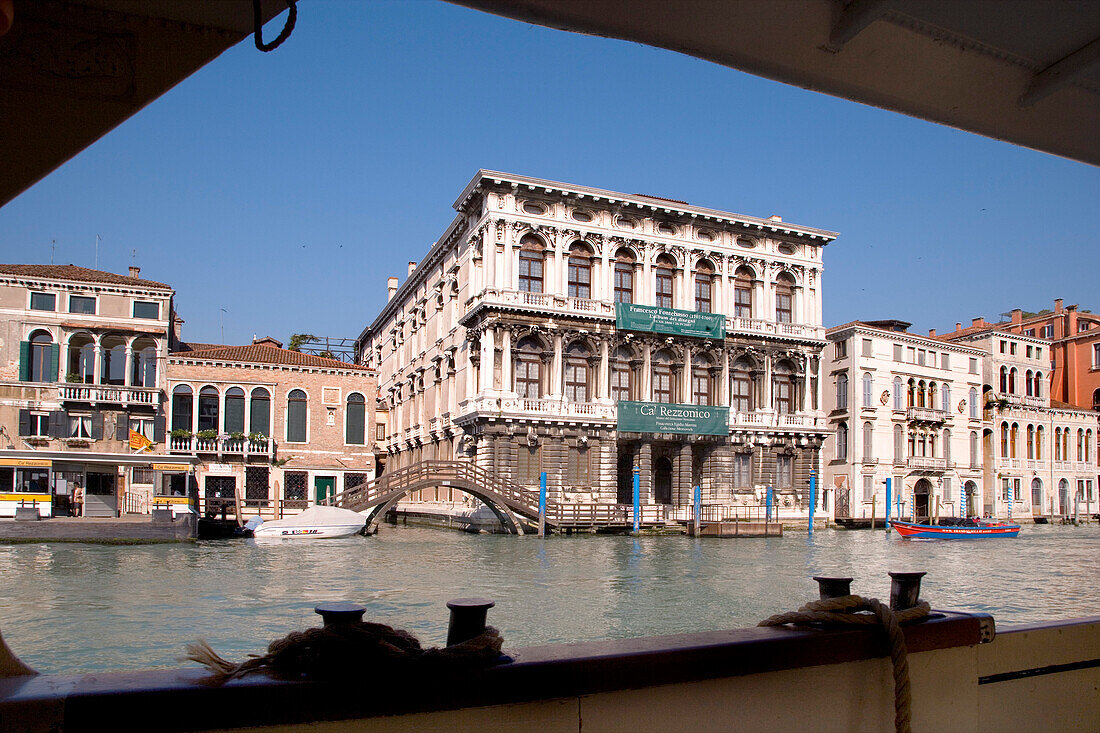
{"x": 319, "y": 522}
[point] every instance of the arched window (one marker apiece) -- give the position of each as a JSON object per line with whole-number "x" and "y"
{"x": 1031, "y": 441}
{"x": 701, "y": 392}
{"x": 1012, "y": 381}
{"x": 664, "y": 273}
{"x": 113, "y": 349}
{"x": 946, "y": 452}
{"x": 704, "y": 286}
{"x": 868, "y": 388}
{"x": 296, "y": 416}
{"x": 974, "y": 449}
{"x": 1065, "y": 444}
{"x": 531, "y": 255}
{"x": 784, "y": 297}
{"x": 664, "y": 387}
{"x": 1014, "y": 440}
{"x": 742, "y": 292}
{"x": 945, "y": 394}
{"x": 899, "y": 401}
{"x": 842, "y": 391}
{"x": 973, "y": 402}
{"x": 259, "y": 412}
{"x": 40, "y": 358}
{"x": 234, "y": 411}
{"x": 355, "y": 420}
{"x": 1004, "y": 440}
{"x": 1080, "y": 444}
{"x": 1028, "y": 385}
{"x": 144, "y": 358}
{"x": 899, "y": 444}
{"x": 82, "y": 360}
{"x": 741, "y": 386}
{"x": 911, "y": 394}
{"x": 182, "y": 406}
{"x": 1088, "y": 446}
{"x": 624, "y": 276}
{"x": 1057, "y": 444}
{"x": 784, "y": 388}
{"x": 912, "y": 444}
{"x": 576, "y": 372}
{"x": 528, "y": 371}
{"x": 580, "y": 271}
{"x": 622, "y": 375}
{"x": 842, "y": 441}
{"x": 920, "y": 394}
{"x": 1004, "y": 380}
{"x": 1038, "y": 384}
{"x": 1039, "y": 443}
{"x": 868, "y": 440}
{"x": 208, "y": 408}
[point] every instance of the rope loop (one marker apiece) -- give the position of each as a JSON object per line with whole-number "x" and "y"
{"x": 258, "y": 22}
{"x": 859, "y": 611}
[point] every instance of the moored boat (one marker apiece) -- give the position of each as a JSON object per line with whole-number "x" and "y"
{"x": 319, "y": 522}
{"x": 914, "y": 531}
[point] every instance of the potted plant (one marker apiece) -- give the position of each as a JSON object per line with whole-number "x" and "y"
{"x": 207, "y": 434}
{"x": 180, "y": 433}
{"x": 256, "y": 437}
{"x": 237, "y": 435}
{"x": 74, "y": 378}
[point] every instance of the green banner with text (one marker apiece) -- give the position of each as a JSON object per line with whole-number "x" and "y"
{"x": 660, "y": 417}
{"x": 631, "y": 317}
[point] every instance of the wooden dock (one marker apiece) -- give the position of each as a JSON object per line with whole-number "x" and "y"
{"x": 739, "y": 529}
{"x": 126, "y": 530}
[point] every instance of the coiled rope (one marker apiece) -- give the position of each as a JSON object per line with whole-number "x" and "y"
{"x": 339, "y": 651}
{"x": 859, "y": 611}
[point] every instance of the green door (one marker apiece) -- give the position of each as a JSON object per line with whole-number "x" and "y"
{"x": 325, "y": 486}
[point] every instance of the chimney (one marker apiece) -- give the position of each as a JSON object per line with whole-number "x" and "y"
{"x": 267, "y": 341}
{"x": 134, "y": 271}
{"x": 932, "y": 333}
{"x": 1017, "y": 315}
{"x": 391, "y": 288}
{"x": 775, "y": 217}
{"x": 1057, "y": 305}
{"x": 958, "y": 325}
{"x": 979, "y": 321}
{"x": 412, "y": 266}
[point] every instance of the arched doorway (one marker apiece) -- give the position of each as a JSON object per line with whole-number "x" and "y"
{"x": 625, "y": 491}
{"x": 921, "y": 495}
{"x": 969, "y": 489}
{"x": 1036, "y": 496}
{"x": 662, "y": 480}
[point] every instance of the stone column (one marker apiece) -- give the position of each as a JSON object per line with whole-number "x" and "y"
{"x": 470, "y": 388}
{"x": 724, "y": 386}
{"x": 606, "y": 287}
{"x": 556, "y": 368}
{"x": 643, "y": 291}
{"x": 805, "y": 383}
{"x": 768, "y": 382}
{"x": 683, "y": 488}
{"x": 128, "y": 366}
{"x": 685, "y": 382}
{"x": 508, "y": 282}
{"x": 647, "y": 373}
{"x": 490, "y": 251}
{"x": 488, "y": 357}
{"x": 604, "y": 378}
{"x": 506, "y": 361}
{"x": 645, "y": 472}
{"x": 97, "y": 376}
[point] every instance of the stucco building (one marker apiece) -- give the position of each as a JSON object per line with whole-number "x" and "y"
{"x": 546, "y": 312}
{"x": 276, "y": 430}
{"x": 904, "y": 407}
{"x": 82, "y": 371}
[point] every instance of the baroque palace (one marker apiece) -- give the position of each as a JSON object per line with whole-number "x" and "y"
{"x": 590, "y": 334}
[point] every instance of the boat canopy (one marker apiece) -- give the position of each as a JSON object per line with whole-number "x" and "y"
{"x": 320, "y": 516}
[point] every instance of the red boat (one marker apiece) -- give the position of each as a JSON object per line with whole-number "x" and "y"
{"x": 913, "y": 531}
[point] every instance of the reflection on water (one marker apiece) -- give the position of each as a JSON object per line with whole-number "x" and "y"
{"x": 70, "y": 608}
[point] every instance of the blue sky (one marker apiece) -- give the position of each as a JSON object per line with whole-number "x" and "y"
{"x": 285, "y": 187}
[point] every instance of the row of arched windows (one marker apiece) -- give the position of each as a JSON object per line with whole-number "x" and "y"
{"x": 233, "y": 411}
{"x": 580, "y": 262}
{"x": 1033, "y": 382}
{"x": 122, "y": 360}
{"x": 1033, "y": 442}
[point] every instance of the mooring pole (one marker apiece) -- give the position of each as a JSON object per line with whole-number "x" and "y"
{"x": 698, "y": 507}
{"x": 637, "y": 500}
{"x": 542, "y": 504}
{"x": 887, "y": 505}
{"x": 813, "y": 500}
{"x": 768, "y": 504}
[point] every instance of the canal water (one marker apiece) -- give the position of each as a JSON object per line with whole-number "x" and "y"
{"x": 68, "y": 608}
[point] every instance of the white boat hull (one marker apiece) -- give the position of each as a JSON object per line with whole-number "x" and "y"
{"x": 306, "y": 532}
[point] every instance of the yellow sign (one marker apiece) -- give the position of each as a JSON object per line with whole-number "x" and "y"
{"x": 44, "y": 498}
{"x": 43, "y": 462}
{"x": 170, "y": 467}
{"x": 138, "y": 441}
{"x": 171, "y": 500}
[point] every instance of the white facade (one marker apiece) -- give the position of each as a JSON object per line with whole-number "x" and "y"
{"x": 902, "y": 407}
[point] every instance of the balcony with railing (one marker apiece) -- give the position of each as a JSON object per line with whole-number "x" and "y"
{"x": 221, "y": 445}
{"x": 108, "y": 394}
{"x": 925, "y": 414}
{"x": 926, "y": 463}
{"x": 772, "y": 419}
{"x": 544, "y": 302}
{"x": 759, "y": 326}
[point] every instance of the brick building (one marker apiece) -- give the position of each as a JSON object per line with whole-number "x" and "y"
{"x": 276, "y": 430}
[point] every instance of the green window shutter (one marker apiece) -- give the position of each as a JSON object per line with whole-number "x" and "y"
{"x": 24, "y": 361}
{"x": 55, "y": 356}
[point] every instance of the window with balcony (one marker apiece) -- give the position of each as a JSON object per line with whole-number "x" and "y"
{"x": 38, "y": 358}
{"x": 1039, "y": 443}
{"x": 82, "y": 304}
{"x": 1004, "y": 380}
{"x": 579, "y": 273}
{"x": 297, "y": 416}
{"x": 842, "y": 441}
{"x": 868, "y": 389}
{"x": 842, "y": 391}
{"x": 259, "y": 412}
{"x": 945, "y": 398}
{"x": 784, "y": 298}
{"x": 664, "y": 387}
{"x": 701, "y": 392}
{"x": 43, "y": 302}
{"x": 147, "y": 309}
{"x": 208, "y": 408}
{"x": 355, "y": 420}
{"x": 1030, "y": 441}
{"x": 622, "y": 375}
{"x": 1004, "y": 440}
{"x": 742, "y": 291}
{"x": 664, "y": 275}
{"x": 785, "y": 388}
{"x": 528, "y": 369}
{"x": 81, "y": 367}
{"x": 624, "y": 276}
{"x": 113, "y": 358}
{"x": 1012, "y": 374}
{"x": 182, "y": 405}
{"x": 1013, "y": 439}
{"x": 741, "y": 386}
{"x": 704, "y": 286}
{"x": 143, "y": 372}
{"x": 531, "y": 256}
{"x": 576, "y": 372}
{"x": 233, "y": 415}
